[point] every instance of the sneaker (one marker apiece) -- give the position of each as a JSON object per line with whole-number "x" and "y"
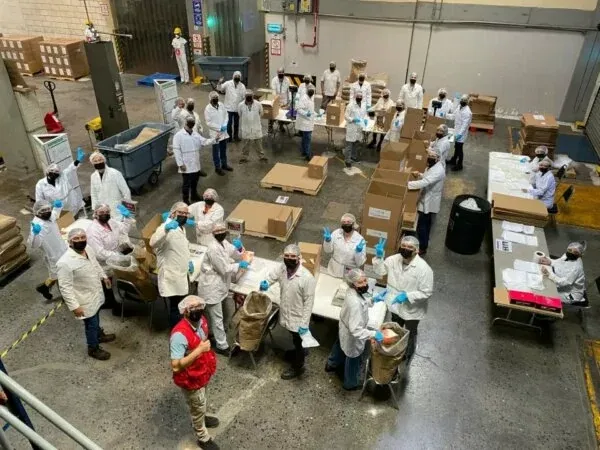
{"x": 202, "y": 173}
{"x": 211, "y": 422}
{"x": 208, "y": 445}
{"x": 45, "y": 291}
{"x": 222, "y": 351}
{"x": 348, "y": 165}
{"x": 329, "y": 368}
{"x": 457, "y": 168}
{"x": 104, "y": 338}
{"x": 292, "y": 373}
{"x": 220, "y": 172}
{"x": 98, "y": 353}
{"x": 243, "y": 161}
{"x": 228, "y": 168}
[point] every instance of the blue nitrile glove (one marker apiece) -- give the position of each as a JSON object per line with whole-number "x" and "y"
{"x": 380, "y": 248}
{"x": 264, "y": 285}
{"x": 36, "y": 228}
{"x": 365, "y": 121}
{"x": 397, "y": 123}
{"x": 191, "y": 267}
{"x": 308, "y": 114}
{"x": 524, "y": 159}
{"x": 238, "y": 244}
{"x": 400, "y": 298}
{"x": 302, "y": 331}
{"x": 190, "y": 222}
{"x": 244, "y": 264}
{"x": 165, "y": 216}
{"x": 378, "y": 336}
{"x": 459, "y": 137}
{"x": 80, "y": 154}
{"x": 380, "y": 297}
{"x": 357, "y": 120}
{"x": 124, "y": 211}
{"x": 172, "y": 225}
{"x": 223, "y": 128}
{"x": 327, "y": 234}
{"x": 57, "y": 204}
{"x": 360, "y": 247}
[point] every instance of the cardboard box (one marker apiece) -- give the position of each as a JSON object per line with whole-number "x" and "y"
{"x": 66, "y": 218}
{"x": 311, "y": 256}
{"x": 383, "y": 203}
{"x": 236, "y": 225}
{"x": 392, "y": 176}
{"x": 317, "y": 167}
{"x": 149, "y": 230}
{"x": 281, "y": 222}
{"x": 412, "y": 122}
{"x": 482, "y": 104}
{"x": 394, "y": 151}
{"x": 416, "y": 156}
{"x": 335, "y": 113}
{"x": 423, "y": 135}
{"x": 271, "y": 107}
{"x": 432, "y": 123}
{"x": 521, "y": 210}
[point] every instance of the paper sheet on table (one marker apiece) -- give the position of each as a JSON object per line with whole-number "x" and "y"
{"x": 497, "y": 175}
{"x": 256, "y": 272}
{"x": 520, "y": 238}
{"x": 514, "y": 280}
{"x": 535, "y": 281}
{"x": 527, "y": 266}
{"x": 308, "y": 340}
{"x": 517, "y": 227}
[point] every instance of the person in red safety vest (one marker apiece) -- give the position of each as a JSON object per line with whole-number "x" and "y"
{"x": 194, "y": 363}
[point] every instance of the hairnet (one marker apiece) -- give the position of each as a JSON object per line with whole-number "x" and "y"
{"x": 213, "y": 94}
{"x": 358, "y": 94}
{"x": 190, "y": 121}
{"x": 74, "y": 233}
{"x": 307, "y": 77}
{"x": 41, "y": 205}
{"x": 385, "y": 92}
{"x": 332, "y": 63}
{"x": 464, "y": 98}
{"x": 362, "y": 74}
{"x": 433, "y": 154}
{"x": 354, "y": 275}
{"x": 400, "y": 103}
{"x": 442, "y": 91}
{"x": 310, "y": 87}
{"x": 545, "y": 162}
{"x": 444, "y": 128}
{"x": 176, "y": 206}
{"x": 579, "y": 247}
{"x": 52, "y": 168}
{"x": 249, "y": 92}
{"x": 413, "y": 75}
{"x": 281, "y": 70}
{"x": 219, "y": 226}
{"x": 189, "y": 302}
{"x": 348, "y": 217}
{"x": 541, "y": 150}
{"x": 410, "y": 240}
{"x": 101, "y": 207}
{"x": 190, "y": 101}
{"x": 211, "y": 193}
{"x": 237, "y": 73}
{"x": 97, "y": 156}
{"x": 179, "y": 100}
{"x": 292, "y": 249}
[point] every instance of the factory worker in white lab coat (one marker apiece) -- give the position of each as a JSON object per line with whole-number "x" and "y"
{"x": 45, "y": 234}
{"x": 206, "y": 213}
{"x": 431, "y": 184}
{"x": 303, "y": 88}
{"x": 409, "y": 285}
{"x": 222, "y": 261}
{"x": 189, "y": 111}
{"x": 107, "y": 185}
{"x": 172, "y": 250}
{"x": 250, "y": 111}
{"x": 346, "y": 246}
{"x": 383, "y": 105}
{"x": 543, "y": 186}
{"x": 541, "y": 153}
{"x": 441, "y": 144}
{"x": 61, "y": 185}
{"x": 178, "y": 108}
{"x": 281, "y": 87}
{"x": 446, "y": 107}
{"x": 567, "y": 273}
{"x": 297, "y": 296}
{"x": 364, "y": 87}
{"x": 217, "y": 121}
{"x": 356, "y": 120}
{"x": 331, "y": 80}
{"x": 393, "y": 134}
{"x": 305, "y": 121}
{"x": 234, "y": 91}
{"x": 462, "y": 121}
{"x": 348, "y": 351}
{"x": 412, "y": 93}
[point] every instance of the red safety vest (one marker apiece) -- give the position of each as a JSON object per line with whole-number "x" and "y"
{"x": 198, "y": 374}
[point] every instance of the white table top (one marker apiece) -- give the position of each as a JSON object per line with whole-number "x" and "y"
{"x": 508, "y": 174}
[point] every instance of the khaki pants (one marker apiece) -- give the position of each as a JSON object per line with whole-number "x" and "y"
{"x": 196, "y": 401}
{"x": 248, "y": 143}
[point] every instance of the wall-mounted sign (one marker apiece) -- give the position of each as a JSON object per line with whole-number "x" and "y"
{"x": 275, "y": 47}
{"x": 275, "y": 28}
{"x": 197, "y": 11}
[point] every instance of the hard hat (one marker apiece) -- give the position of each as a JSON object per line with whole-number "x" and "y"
{"x": 177, "y": 30}
{"x": 88, "y": 22}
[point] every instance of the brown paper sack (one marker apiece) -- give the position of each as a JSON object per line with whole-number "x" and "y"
{"x": 252, "y": 317}
{"x": 6, "y": 222}
{"x": 385, "y": 359}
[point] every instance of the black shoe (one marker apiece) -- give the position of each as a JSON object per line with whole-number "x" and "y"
{"x": 220, "y": 172}
{"x": 45, "y": 291}
{"x": 307, "y": 158}
{"x": 208, "y": 445}
{"x": 211, "y": 422}
{"x": 228, "y": 168}
{"x": 103, "y": 337}
{"x": 355, "y": 160}
{"x": 348, "y": 165}
{"x": 457, "y": 168}
{"x": 292, "y": 373}
{"x": 237, "y": 139}
{"x": 202, "y": 173}
{"x": 451, "y": 161}
{"x": 378, "y": 147}
{"x": 330, "y": 369}
{"x": 98, "y": 353}
{"x": 354, "y": 388}
{"x": 371, "y": 145}
{"x": 222, "y": 351}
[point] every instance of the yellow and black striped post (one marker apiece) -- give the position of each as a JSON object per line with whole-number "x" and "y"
{"x": 267, "y": 66}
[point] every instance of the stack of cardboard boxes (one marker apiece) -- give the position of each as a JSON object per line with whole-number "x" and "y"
{"x": 13, "y": 253}
{"x": 537, "y": 129}
{"x": 483, "y": 108}
{"x": 24, "y": 51}
{"x": 64, "y": 58}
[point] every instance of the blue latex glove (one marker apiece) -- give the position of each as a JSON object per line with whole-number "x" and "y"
{"x": 524, "y": 159}
{"x": 380, "y": 297}
{"x": 191, "y": 222}
{"x": 378, "y": 336}
{"x": 191, "y": 267}
{"x": 264, "y": 285}
{"x": 327, "y": 234}
{"x": 223, "y": 128}
{"x": 459, "y": 137}
{"x": 244, "y": 264}
{"x": 360, "y": 247}
{"x": 308, "y": 114}
{"x": 365, "y": 121}
{"x": 124, "y": 211}
{"x": 172, "y": 225}
{"x": 397, "y": 123}
{"x": 36, "y": 228}
{"x": 357, "y": 120}
{"x": 442, "y": 114}
{"x": 380, "y": 248}
{"x": 302, "y": 331}
{"x": 237, "y": 243}
{"x": 57, "y": 204}
{"x": 80, "y": 154}
{"x": 165, "y": 216}
{"x": 400, "y": 298}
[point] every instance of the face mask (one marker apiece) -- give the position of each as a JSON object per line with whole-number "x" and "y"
{"x": 236, "y": 80}
{"x": 431, "y": 162}
{"x": 190, "y": 108}
{"x": 543, "y": 169}
{"x": 439, "y": 135}
{"x": 104, "y": 218}
{"x": 463, "y": 104}
{"x": 195, "y": 315}
{"x": 311, "y": 93}
{"x": 399, "y": 108}
{"x": 307, "y": 82}
{"x": 249, "y": 99}
{"x": 181, "y": 220}
{"x": 209, "y": 201}
{"x": 46, "y": 215}
{"x": 442, "y": 96}
{"x": 99, "y": 166}
{"x": 332, "y": 68}
{"x": 358, "y": 101}
{"x": 214, "y": 101}
{"x": 362, "y": 290}
{"x": 290, "y": 263}
{"x": 79, "y": 246}
{"x": 347, "y": 228}
{"x": 386, "y": 97}
{"x": 280, "y": 76}
{"x": 413, "y": 82}
{"x": 52, "y": 177}
{"x": 220, "y": 237}
{"x": 571, "y": 256}
{"x": 361, "y": 80}
{"x": 190, "y": 125}
{"x": 405, "y": 252}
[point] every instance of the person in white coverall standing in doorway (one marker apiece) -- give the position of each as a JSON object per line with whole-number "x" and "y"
{"x": 178, "y": 44}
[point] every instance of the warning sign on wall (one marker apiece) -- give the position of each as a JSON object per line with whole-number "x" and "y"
{"x": 275, "y": 47}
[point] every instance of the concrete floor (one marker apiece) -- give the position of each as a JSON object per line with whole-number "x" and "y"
{"x": 469, "y": 386}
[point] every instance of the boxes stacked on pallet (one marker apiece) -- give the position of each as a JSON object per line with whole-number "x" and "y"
{"x": 537, "y": 130}
{"x": 483, "y": 108}
{"x": 13, "y": 253}
{"x": 64, "y": 58}
{"x": 24, "y": 50}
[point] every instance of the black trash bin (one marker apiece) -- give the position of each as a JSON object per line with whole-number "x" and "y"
{"x": 466, "y": 227}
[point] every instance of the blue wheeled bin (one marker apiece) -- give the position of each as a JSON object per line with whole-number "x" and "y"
{"x": 215, "y": 67}
{"x": 140, "y": 164}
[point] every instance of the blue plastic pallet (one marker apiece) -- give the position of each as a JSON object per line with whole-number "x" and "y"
{"x": 149, "y": 80}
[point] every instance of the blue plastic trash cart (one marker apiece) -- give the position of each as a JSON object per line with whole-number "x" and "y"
{"x": 215, "y": 67}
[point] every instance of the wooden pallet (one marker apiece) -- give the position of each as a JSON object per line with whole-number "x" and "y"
{"x": 480, "y": 126}
{"x": 55, "y": 77}
{"x": 294, "y": 189}
{"x": 291, "y": 178}
{"x": 41, "y": 72}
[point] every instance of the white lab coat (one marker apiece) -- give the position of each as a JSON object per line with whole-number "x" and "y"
{"x": 233, "y": 94}
{"x": 106, "y": 240}
{"x": 444, "y": 111}
{"x": 175, "y": 117}
{"x": 462, "y": 121}
{"x": 393, "y": 134}
{"x": 186, "y": 148}
{"x": 343, "y": 253}
{"x": 330, "y": 82}
{"x": 416, "y": 279}
{"x": 305, "y": 119}
{"x": 49, "y": 240}
{"x": 173, "y": 256}
{"x": 354, "y": 131}
{"x": 215, "y": 119}
{"x": 184, "y": 114}
{"x": 205, "y": 221}
{"x": 80, "y": 281}
{"x": 432, "y": 186}
{"x": 569, "y": 278}
{"x": 250, "y": 120}
{"x": 383, "y": 105}
{"x": 297, "y": 296}
{"x": 178, "y": 44}
{"x": 111, "y": 189}
{"x": 281, "y": 88}
{"x": 354, "y": 317}
{"x": 442, "y": 147}
{"x": 544, "y": 187}
{"x": 366, "y": 92}
{"x": 412, "y": 95}
{"x": 216, "y": 270}
{"x": 62, "y": 190}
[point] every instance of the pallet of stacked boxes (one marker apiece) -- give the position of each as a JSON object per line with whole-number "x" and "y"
{"x": 483, "y": 108}
{"x": 64, "y": 58}
{"x": 24, "y": 51}
{"x": 537, "y": 130}
{"x": 13, "y": 253}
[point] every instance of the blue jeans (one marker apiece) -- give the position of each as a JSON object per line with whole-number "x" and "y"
{"x": 233, "y": 125}
{"x": 305, "y": 144}
{"x": 220, "y": 154}
{"x": 352, "y": 366}
{"x": 92, "y": 330}
{"x": 424, "y": 228}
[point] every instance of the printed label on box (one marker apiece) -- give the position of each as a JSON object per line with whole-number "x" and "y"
{"x": 51, "y": 59}
{"x": 68, "y": 72}
{"x": 59, "y": 61}
{"x": 14, "y": 55}
{"x": 64, "y": 50}
{"x": 538, "y": 117}
{"x": 60, "y": 71}
{"x": 2, "y": 53}
{"x": 26, "y": 66}
{"x": 43, "y": 58}
{"x": 47, "y": 69}
{"x": 380, "y": 213}
{"x": 4, "y": 44}
{"x": 55, "y": 49}
{"x": 66, "y": 61}
{"x": 377, "y": 233}
{"x": 370, "y": 251}
{"x": 53, "y": 71}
